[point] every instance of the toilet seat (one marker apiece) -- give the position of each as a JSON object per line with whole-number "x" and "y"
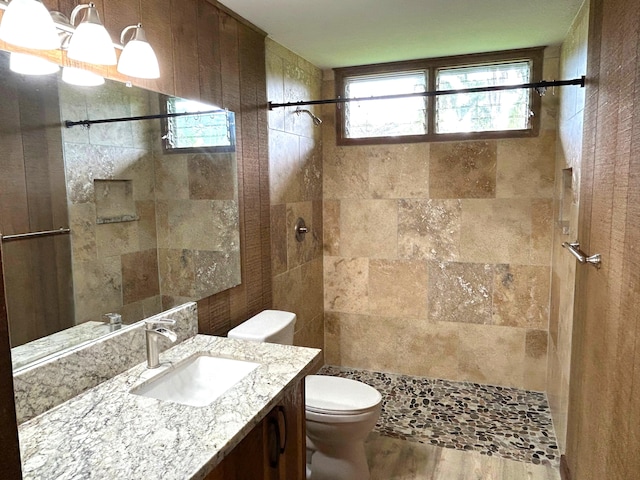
{"x": 337, "y": 396}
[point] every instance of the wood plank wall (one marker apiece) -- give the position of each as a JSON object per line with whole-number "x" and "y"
{"x": 603, "y": 431}
{"x": 205, "y": 52}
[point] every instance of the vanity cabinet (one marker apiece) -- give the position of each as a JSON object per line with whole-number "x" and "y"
{"x": 275, "y": 449}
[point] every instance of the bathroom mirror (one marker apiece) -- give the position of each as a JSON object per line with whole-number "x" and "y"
{"x": 149, "y": 227}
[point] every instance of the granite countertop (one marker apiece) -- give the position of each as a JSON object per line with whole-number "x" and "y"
{"x": 109, "y": 433}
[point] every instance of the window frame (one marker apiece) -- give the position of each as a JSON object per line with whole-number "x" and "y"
{"x": 168, "y": 149}
{"x": 431, "y": 65}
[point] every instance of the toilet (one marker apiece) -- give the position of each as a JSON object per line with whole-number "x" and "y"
{"x": 339, "y": 412}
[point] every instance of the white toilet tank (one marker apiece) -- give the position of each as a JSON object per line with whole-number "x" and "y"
{"x": 272, "y": 326}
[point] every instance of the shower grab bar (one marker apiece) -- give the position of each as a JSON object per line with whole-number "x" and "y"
{"x": 44, "y": 233}
{"x": 574, "y": 249}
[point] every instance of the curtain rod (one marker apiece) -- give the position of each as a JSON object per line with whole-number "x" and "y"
{"x": 540, "y": 87}
{"x": 88, "y": 123}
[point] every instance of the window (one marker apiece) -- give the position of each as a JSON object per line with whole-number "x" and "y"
{"x": 200, "y": 132}
{"x": 495, "y": 114}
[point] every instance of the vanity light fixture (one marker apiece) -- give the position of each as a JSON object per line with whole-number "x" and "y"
{"x": 81, "y": 78}
{"x": 27, "y": 23}
{"x": 90, "y": 42}
{"x": 30, "y": 65}
{"x": 137, "y": 58}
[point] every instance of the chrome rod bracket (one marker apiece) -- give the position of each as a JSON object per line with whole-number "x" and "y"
{"x": 574, "y": 249}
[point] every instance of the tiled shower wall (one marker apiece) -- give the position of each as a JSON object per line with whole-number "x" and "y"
{"x": 295, "y": 173}
{"x": 437, "y": 255}
{"x": 573, "y": 64}
{"x": 172, "y": 233}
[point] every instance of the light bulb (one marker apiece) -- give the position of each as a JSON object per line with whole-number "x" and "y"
{"x": 28, "y": 24}
{"x": 82, "y": 78}
{"x": 30, "y": 65}
{"x": 91, "y": 43}
{"x": 138, "y": 58}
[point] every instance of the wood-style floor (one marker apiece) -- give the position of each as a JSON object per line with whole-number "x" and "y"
{"x": 393, "y": 459}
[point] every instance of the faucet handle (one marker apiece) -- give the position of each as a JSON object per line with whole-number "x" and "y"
{"x": 151, "y": 324}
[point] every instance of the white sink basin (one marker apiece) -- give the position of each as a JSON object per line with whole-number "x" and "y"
{"x": 197, "y": 381}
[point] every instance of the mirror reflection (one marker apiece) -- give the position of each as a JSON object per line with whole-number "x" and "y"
{"x": 152, "y": 223}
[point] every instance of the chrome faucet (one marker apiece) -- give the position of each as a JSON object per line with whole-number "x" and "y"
{"x": 154, "y": 329}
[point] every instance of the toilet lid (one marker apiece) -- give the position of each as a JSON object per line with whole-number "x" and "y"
{"x": 339, "y": 395}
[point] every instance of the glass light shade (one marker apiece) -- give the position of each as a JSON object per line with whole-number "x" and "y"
{"x": 139, "y": 60}
{"x": 91, "y": 43}
{"x": 82, "y": 78}
{"x": 28, "y": 24}
{"x": 30, "y": 65}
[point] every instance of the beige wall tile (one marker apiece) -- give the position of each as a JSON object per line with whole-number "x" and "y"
{"x": 278, "y": 239}
{"x": 299, "y": 252}
{"x": 463, "y": 170}
{"x": 429, "y": 349}
{"x": 492, "y": 354}
{"x": 287, "y": 292}
{"x": 399, "y": 171}
{"x": 212, "y": 177}
{"x": 346, "y": 284}
{"x": 312, "y": 301}
{"x": 139, "y": 276}
{"x": 429, "y": 229}
{"x": 521, "y": 296}
{"x": 460, "y": 292}
{"x": 526, "y": 166}
{"x": 535, "y": 366}
{"x": 496, "y": 231}
{"x": 398, "y": 288}
{"x": 541, "y": 231}
{"x": 345, "y": 173}
{"x": 361, "y": 341}
{"x": 331, "y": 227}
{"x": 369, "y": 228}
{"x": 284, "y": 171}
{"x": 312, "y": 335}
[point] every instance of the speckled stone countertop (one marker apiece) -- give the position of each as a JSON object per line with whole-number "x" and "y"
{"x": 109, "y": 433}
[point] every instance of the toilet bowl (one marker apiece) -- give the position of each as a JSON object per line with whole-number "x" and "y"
{"x": 339, "y": 412}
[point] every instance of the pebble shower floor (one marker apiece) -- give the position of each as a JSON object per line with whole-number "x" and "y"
{"x": 501, "y": 421}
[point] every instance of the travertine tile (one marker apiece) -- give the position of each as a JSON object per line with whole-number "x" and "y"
{"x": 521, "y": 296}
{"x": 331, "y": 227}
{"x": 460, "y": 292}
{"x": 429, "y": 229}
{"x": 215, "y": 271}
{"x": 463, "y": 170}
{"x": 346, "y": 283}
{"x": 345, "y": 174}
{"x": 287, "y": 291}
{"x": 212, "y": 176}
{"x": 428, "y": 349}
{"x": 311, "y": 169}
{"x": 398, "y": 288}
{"x": 97, "y": 288}
{"x": 312, "y": 302}
{"x": 369, "y": 228}
{"x": 361, "y": 341}
{"x": 139, "y": 276}
{"x": 284, "y": 167}
{"x": 116, "y": 238}
{"x": 299, "y": 252}
{"x": 492, "y": 354}
{"x": 177, "y": 272}
{"x": 171, "y": 177}
{"x": 526, "y": 166}
{"x": 399, "y": 171}
{"x": 535, "y": 366}
{"x": 541, "y": 231}
{"x": 278, "y": 219}
{"x": 496, "y": 231}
